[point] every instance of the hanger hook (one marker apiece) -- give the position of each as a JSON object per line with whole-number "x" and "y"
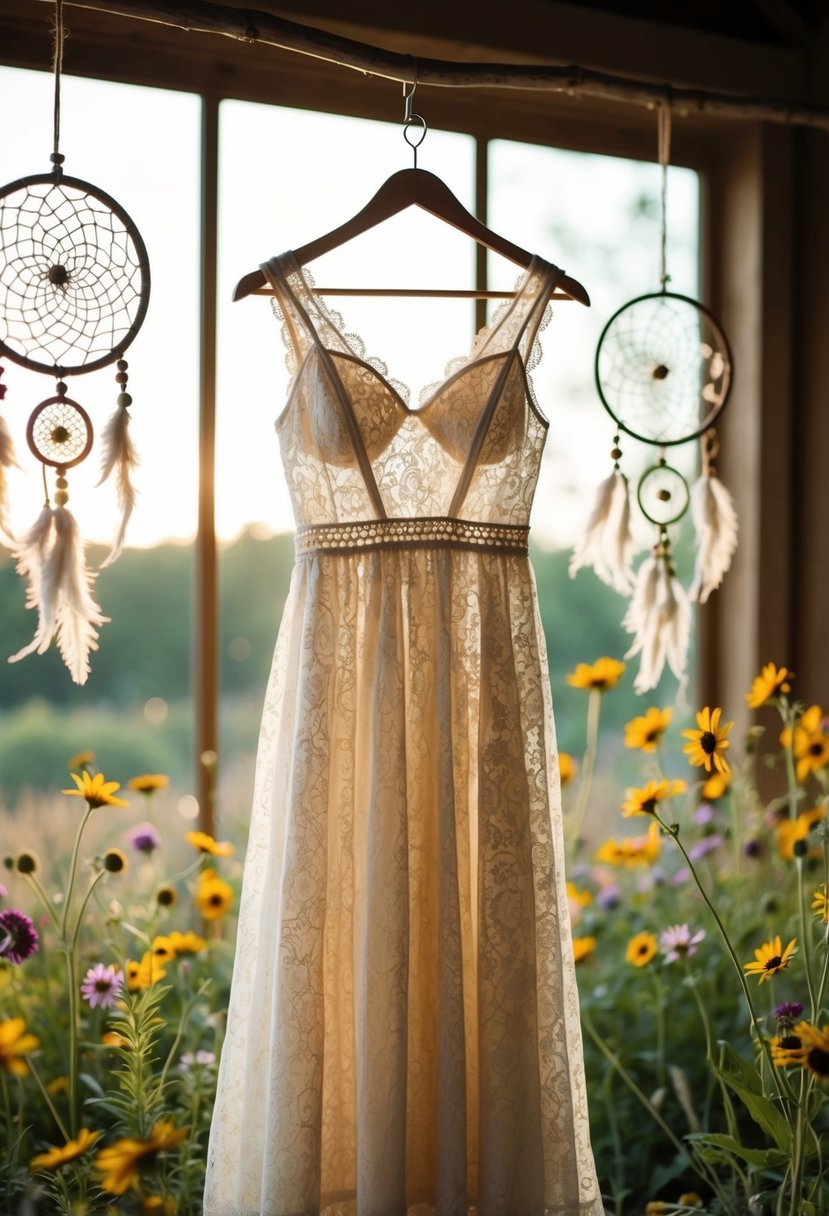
{"x": 410, "y": 118}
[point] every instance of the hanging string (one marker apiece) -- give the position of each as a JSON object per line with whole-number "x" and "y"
{"x": 57, "y": 66}
{"x": 664, "y": 138}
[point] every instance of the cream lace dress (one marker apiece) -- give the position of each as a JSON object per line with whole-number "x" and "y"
{"x": 403, "y": 1033}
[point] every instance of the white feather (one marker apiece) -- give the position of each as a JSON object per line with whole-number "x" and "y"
{"x": 7, "y": 460}
{"x": 715, "y": 521}
{"x": 119, "y": 453}
{"x": 642, "y": 602}
{"x": 607, "y": 544}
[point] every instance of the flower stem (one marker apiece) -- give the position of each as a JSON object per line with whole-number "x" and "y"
{"x": 73, "y": 871}
{"x": 806, "y": 935}
{"x": 36, "y": 885}
{"x": 47, "y": 1098}
{"x": 795, "y": 1193}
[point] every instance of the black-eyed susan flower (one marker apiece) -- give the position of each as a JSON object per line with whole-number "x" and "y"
{"x": 122, "y": 1164}
{"x": 689, "y": 1199}
{"x": 809, "y": 742}
{"x": 81, "y": 761}
{"x": 716, "y": 785}
{"x": 790, "y": 831}
{"x": 820, "y": 905}
{"x": 58, "y": 1085}
{"x": 213, "y": 897}
{"x": 115, "y": 861}
{"x": 148, "y": 783}
{"x": 656, "y": 1207}
{"x": 582, "y": 947}
{"x": 645, "y": 801}
{"x": 186, "y": 943}
{"x": 644, "y": 733}
{"x": 142, "y": 975}
{"x": 783, "y": 1046}
{"x": 156, "y": 1205}
{"x": 113, "y": 1039}
{"x": 602, "y": 675}
{"x": 162, "y": 949}
{"x": 771, "y": 958}
{"x": 206, "y": 844}
{"x": 566, "y": 768}
{"x": 95, "y": 790}
{"x": 26, "y": 862}
{"x": 813, "y": 1052}
{"x": 54, "y": 1158}
{"x": 631, "y": 850}
{"x": 768, "y": 685}
{"x": 15, "y": 1043}
{"x": 708, "y": 742}
{"x": 641, "y": 949}
{"x": 166, "y": 896}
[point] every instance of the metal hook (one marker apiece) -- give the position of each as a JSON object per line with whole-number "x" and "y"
{"x": 409, "y": 116}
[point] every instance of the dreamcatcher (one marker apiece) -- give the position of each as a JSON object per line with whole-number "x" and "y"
{"x": 664, "y": 373}
{"x": 74, "y": 288}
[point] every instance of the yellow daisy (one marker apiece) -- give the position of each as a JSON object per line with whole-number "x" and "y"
{"x": 716, "y": 786}
{"x": 813, "y": 1052}
{"x": 603, "y": 674}
{"x": 644, "y": 733}
{"x": 631, "y": 850}
{"x": 156, "y": 1205}
{"x": 213, "y": 896}
{"x": 646, "y": 801}
{"x": 186, "y": 943}
{"x": 771, "y": 958}
{"x": 163, "y": 950}
{"x": 810, "y": 743}
{"x": 148, "y": 783}
{"x": 709, "y": 742}
{"x": 770, "y": 682}
{"x": 144, "y": 974}
{"x": 641, "y": 949}
{"x": 580, "y": 898}
{"x": 206, "y": 844}
{"x": 582, "y": 946}
{"x": 58, "y": 1085}
{"x": 122, "y": 1163}
{"x": 820, "y": 905}
{"x": 14, "y": 1044}
{"x": 54, "y": 1158}
{"x": 789, "y": 831}
{"x": 112, "y": 1038}
{"x": 566, "y": 768}
{"x": 97, "y": 791}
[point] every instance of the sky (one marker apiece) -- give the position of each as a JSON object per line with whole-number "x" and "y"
{"x": 286, "y": 176}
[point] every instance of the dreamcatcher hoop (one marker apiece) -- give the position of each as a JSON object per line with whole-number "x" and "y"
{"x": 638, "y": 359}
{"x": 59, "y": 432}
{"x": 58, "y": 297}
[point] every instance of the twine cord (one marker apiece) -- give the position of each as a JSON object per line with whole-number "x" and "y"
{"x": 664, "y": 139}
{"x": 59, "y": 35}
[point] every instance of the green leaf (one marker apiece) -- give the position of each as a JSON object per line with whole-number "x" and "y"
{"x": 734, "y": 1068}
{"x": 762, "y": 1158}
{"x": 765, "y": 1114}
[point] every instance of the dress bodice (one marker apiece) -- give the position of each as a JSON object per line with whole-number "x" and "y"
{"x": 354, "y": 450}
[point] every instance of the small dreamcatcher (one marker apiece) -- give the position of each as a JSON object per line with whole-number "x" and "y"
{"x": 74, "y": 289}
{"x": 664, "y": 372}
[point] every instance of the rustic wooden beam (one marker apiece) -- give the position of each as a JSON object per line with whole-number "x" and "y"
{"x": 257, "y": 27}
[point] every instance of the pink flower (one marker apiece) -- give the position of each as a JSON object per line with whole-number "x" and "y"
{"x": 677, "y": 942}
{"x": 18, "y": 936}
{"x": 102, "y": 985}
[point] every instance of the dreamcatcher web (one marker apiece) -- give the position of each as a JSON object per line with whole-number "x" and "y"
{"x": 663, "y": 368}
{"x": 72, "y": 276}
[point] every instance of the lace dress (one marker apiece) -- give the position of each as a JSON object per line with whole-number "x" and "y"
{"x": 403, "y": 1034}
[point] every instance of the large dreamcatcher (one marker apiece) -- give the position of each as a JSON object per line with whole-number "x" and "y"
{"x": 664, "y": 373}
{"x": 74, "y": 288}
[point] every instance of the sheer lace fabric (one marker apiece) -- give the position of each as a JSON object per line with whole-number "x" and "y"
{"x": 403, "y": 1035}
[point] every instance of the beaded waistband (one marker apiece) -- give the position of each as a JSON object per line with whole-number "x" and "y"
{"x": 421, "y": 533}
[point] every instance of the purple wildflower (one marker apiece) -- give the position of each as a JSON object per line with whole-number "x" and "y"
{"x": 199, "y": 1059}
{"x": 790, "y": 1011}
{"x": 609, "y": 896}
{"x": 678, "y": 942}
{"x": 144, "y": 838}
{"x": 18, "y": 936}
{"x": 753, "y": 848}
{"x": 704, "y": 813}
{"x": 102, "y": 985}
{"x": 705, "y": 846}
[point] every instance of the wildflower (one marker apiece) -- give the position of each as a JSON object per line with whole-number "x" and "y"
{"x": 678, "y": 942}
{"x": 632, "y": 850}
{"x": 3, "y": 891}
{"x": 641, "y": 949}
{"x": 166, "y": 896}
{"x": 566, "y": 768}
{"x": 186, "y": 943}
{"x": 58, "y": 1085}
{"x": 580, "y": 898}
{"x": 783, "y": 1046}
{"x": 813, "y": 1052}
{"x": 609, "y": 895}
{"x": 790, "y": 831}
{"x": 27, "y": 862}
{"x": 716, "y": 785}
{"x": 655, "y": 1208}
{"x": 709, "y": 742}
{"x": 644, "y": 733}
{"x": 121, "y": 1164}
{"x": 115, "y": 862}
{"x": 646, "y": 801}
{"x": 97, "y": 791}
{"x": 789, "y": 1011}
{"x": 820, "y": 905}
{"x": 102, "y": 984}
{"x": 689, "y": 1199}
{"x": 604, "y": 674}
{"x": 767, "y": 685}
{"x": 705, "y": 845}
{"x": 144, "y": 838}
{"x": 144, "y": 974}
{"x": 704, "y": 814}
{"x": 753, "y": 848}
{"x": 213, "y": 896}
{"x": 206, "y": 844}
{"x": 14, "y": 1044}
{"x": 201, "y": 1059}
{"x": 82, "y": 761}
{"x": 54, "y": 1158}
{"x": 771, "y": 958}
{"x": 809, "y": 743}
{"x": 148, "y": 783}
{"x": 113, "y": 1039}
{"x": 163, "y": 950}
{"x": 156, "y": 1205}
{"x": 18, "y": 936}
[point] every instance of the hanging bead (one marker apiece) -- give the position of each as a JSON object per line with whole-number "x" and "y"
{"x": 3, "y": 387}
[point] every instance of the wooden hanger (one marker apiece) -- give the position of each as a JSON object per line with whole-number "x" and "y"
{"x": 406, "y": 188}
